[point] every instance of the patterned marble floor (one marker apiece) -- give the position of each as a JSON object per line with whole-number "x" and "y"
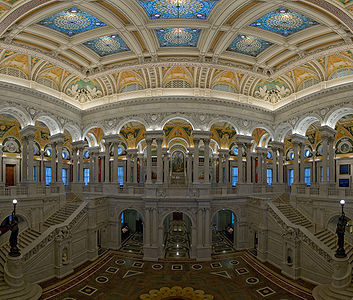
{"x": 220, "y": 243}
{"x": 114, "y": 276}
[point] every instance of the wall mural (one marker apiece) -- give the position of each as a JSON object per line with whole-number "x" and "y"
{"x": 178, "y": 162}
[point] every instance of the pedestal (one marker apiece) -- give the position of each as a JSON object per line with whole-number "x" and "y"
{"x": 13, "y": 271}
{"x": 342, "y": 273}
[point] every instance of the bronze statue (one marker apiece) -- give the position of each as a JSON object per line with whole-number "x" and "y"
{"x": 14, "y": 251}
{"x": 340, "y": 230}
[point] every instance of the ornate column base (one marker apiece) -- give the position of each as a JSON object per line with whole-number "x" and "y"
{"x": 203, "y": 253}
{"x": 18, "y": 288}
{"x": 341, "y": 280}
{"x": 151, "y": 253}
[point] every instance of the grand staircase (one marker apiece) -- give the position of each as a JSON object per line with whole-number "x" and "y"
{"x": 325, "y": 236}
{"x": 25, "y": 238}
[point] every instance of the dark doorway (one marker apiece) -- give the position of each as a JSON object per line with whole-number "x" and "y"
{"x": 10, "y": 175}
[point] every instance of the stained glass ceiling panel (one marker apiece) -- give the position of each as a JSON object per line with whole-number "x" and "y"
{"x": 284, "y": 21}
{"x": 106, "y": 45}
{"x": 178, "y": 37}
{"x": 248, "y": 45}
{"x": 72, "y": 21}
{"x": 174, "y": 9}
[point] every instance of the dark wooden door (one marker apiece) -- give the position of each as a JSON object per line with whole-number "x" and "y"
{"x": 10, "y": 175}
{"x": 177, "y": 216}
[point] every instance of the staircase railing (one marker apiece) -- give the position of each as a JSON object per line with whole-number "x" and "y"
{"x": 300, "y": 232}
{"x": 54, "y": 232}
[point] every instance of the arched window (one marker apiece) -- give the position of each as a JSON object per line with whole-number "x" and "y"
{"x": 308, "y": 83}
{"x": 223, "y": 87}
{"x": 131, "y": 87}
{"x": 341, "y": 73}
{"x": 178, "y": 84}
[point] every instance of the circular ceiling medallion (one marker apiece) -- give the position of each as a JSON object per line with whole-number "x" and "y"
{"x": 71, "y": 22}
{"x": 249, "y": 45}
{"x": 284, "y": 22}
{"x": 178, "y": 7}
{"x": 178, "y": 36}
{"x": 176, "y": 293}
{"x": 107, "y": 45}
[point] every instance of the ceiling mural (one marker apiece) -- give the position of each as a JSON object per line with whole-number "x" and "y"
{"x": 106, "y": 45}
{"x": 72, "y": 22}
{"x": 270, "y": 91}
{"x": 284, "y": 21}
{"x": 248, "y": 45}
{"x": 85, "y": 50}
{"x": 177, "y": 9}
{"x": 177, "y": 128}
{"x": 178, "y": 37}
{"x": 132, "y": 133}
{"x": 223, "y": 133}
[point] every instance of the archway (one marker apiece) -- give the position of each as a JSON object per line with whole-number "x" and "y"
{"x": 223, "y": 232}
{"x": 177, "y": 236}
{"x": 131, "y": 231}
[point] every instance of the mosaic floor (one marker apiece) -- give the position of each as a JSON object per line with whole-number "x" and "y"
{"x": 177, "y": 243}
{"x": 134, "y": 244}
{"x": 114, "y": 276}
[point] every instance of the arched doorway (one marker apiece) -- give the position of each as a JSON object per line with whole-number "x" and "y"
{"x": 223, "y": 232}
{"x": 177, "y": 236}
{"x": 131, "y": 231}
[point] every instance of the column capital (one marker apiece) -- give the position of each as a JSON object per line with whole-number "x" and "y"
{"x": 94, "y": 150}
{"x": 78, "y": 144}
{"x": 223, "y": 151}
{"x": 28, "y": 131}
{"x": 112, "y": 138}
{"x": 57, "y": 138}
{"x": 154, "y": 134}
{"x": 327, "y": 132}
{"x": 201, "y": 134}
{"x": 131, "y": 151}
{"x": 245, "y": 139}
{"x": 298, "y": 138}
{"x": 262, "y": 150}
{"x": 275, "y": 145}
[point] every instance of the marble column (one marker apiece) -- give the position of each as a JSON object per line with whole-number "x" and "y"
{"x": 240, "y": 163}
{"x": 1, "y": 165}
{"x": 96, "y": 165}
{"x": 206, "y": 142}
{"x": 189, "y": 167}
{"x": 296, "y": 162}
{"x": 159, "y": 161}
{"x": 331, "y": 159}
{"x": 166, "y": 166}
{"x": 141, "y": 177}
{"x": 107, "y": 161}
{"x": 314, "y": 167}
{"x": 81, "y": 152}
{"x": 196, "y": 160}
{"x": 226, "y": 157}
{"x": 24, "y": 159}
{"x": 134, "y": 177}
{"x": 53, "y": 162}
{"x": 59, "y": 147}
{"x": 149, "y": 161}
{"x": 30, "y": 140}
{"x": 128, "y": 167}
{"x": 42, "y": 167}
{"x": 280, "y": 165}
{"x": 259, "y": 168}
{"x": 302, "y": 163}
{"x": 74, "y": 164}
{"x": 115, "y": 161}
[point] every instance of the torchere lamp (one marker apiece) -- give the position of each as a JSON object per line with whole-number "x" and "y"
{"x": 340, "y": 230}
{"x": 14, "y": 251}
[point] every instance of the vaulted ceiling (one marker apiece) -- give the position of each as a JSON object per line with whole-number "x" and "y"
{"x": 90, "y": 49}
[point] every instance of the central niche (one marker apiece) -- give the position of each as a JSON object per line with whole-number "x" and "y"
{"x": 178, "y": 162}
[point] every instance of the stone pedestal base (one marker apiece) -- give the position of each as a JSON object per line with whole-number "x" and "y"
{"x": 339, "y": 287}
{"x": 13, "y": 271}
{"x": 17, "y": 287}
{"x": 203, "y": 253}
{"x": 150, "y": 253}
{"x": 76, "y": 187}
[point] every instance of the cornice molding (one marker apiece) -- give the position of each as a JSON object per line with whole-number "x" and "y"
{"x": 42, "y": 96}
